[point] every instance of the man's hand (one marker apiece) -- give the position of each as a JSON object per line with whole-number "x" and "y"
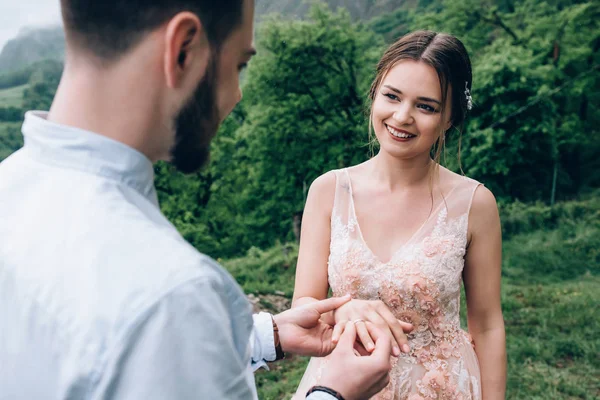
{"x": 354, "y": 376}
{"x": 302, "y": 331}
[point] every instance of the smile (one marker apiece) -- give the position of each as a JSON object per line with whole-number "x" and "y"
{"x": 398, "y": 133}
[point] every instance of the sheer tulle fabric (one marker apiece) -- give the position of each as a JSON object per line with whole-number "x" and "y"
{"x": 421, "y": 285}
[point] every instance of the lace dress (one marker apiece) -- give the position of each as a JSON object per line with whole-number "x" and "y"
{"x": 420, "y": 285}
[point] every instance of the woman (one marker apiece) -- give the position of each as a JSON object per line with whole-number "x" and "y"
{"x": 402, "y": 231}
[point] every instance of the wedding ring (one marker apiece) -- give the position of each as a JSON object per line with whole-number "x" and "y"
{"x": 357, "y": 321}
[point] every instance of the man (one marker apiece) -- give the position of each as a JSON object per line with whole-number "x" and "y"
{"x": 100, "y": 297}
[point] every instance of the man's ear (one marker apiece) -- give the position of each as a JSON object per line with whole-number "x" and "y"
{"x": 186, "y": 49}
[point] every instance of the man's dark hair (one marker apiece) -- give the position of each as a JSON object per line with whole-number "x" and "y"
{"x": 110, "y": 28}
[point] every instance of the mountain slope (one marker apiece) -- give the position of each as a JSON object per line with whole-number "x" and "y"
{"x": 35, "y": 44}
{"x": 30, "y": 46}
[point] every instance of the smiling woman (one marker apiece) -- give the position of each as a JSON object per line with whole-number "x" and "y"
{"x": 400, "y": 234}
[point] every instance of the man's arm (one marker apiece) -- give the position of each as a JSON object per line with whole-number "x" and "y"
{"x": 181, "y": 348}
{"x": 263, "y": 348}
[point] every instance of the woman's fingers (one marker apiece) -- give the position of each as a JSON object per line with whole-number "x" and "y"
{"x": 383, "y": 325}
{"x": 338, "y": 330}
{"x": 397, "y": 328}
{"x": 363, "y": 335}
{"x": 378, "y": 332}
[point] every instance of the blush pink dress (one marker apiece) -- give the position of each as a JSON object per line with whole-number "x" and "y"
{"x": 421, "y": 285}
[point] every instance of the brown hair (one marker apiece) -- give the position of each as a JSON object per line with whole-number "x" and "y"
{"x": 448, "y": 56}
{"x": 110, "y": 28}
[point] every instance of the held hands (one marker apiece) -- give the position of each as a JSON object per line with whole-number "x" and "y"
{"x": 370, "y": 317}
{"x": 352, "y": 375}
{"x": 302, "y": 330}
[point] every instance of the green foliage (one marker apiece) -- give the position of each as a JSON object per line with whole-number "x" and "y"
{"x": 14, "y": 79}
{"x": 10, "y": 114}
{"x": 32, "y": 88}
{"x": 10, "y": 139}
{"x": 534, "y": 65}
{"x": 12, "y": 97}
{"x": 303, "y": 115}
{"x": 266, "y": 272}
{"x": 43, "y": 83}
{"x": 520, "y": 218}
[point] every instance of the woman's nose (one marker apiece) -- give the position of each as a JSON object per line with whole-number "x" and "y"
{"x": 403, "y": 115}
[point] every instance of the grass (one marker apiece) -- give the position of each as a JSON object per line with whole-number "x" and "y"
{"x": 12, "y": 97}
{"x": 550, "y": 296}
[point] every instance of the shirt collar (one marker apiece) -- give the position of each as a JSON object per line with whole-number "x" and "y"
{"x": 82, "y": 150}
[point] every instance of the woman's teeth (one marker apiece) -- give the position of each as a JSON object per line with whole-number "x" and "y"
{"x": 399, "y": 134}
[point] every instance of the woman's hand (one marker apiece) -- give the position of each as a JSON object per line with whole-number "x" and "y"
{"x": 370, "y": 314}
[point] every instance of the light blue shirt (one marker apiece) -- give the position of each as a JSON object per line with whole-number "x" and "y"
{"x": 100, "y": 297}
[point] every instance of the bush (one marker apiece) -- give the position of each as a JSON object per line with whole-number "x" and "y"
{"x": 10, "y": 114}
{"x": 519, "y": 218}
{"x": 266, "y": 272}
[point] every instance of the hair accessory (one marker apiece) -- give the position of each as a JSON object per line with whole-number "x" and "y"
{"x": 468, "y": 96}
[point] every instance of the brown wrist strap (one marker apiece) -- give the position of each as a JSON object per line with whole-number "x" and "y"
{"x": 279, "y": 354}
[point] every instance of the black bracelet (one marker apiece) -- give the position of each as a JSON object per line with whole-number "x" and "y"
{"x": 326, "y": 390}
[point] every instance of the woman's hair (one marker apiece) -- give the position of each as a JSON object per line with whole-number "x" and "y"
{"x": 448, "y": 56}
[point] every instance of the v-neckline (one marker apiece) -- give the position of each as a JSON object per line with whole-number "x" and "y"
{"x": 402, "y": 246}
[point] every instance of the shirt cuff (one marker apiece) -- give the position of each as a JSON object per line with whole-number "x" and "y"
{"x": 263, "y": 341}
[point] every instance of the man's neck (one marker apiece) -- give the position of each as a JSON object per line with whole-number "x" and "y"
{"x": 109, "y": 102}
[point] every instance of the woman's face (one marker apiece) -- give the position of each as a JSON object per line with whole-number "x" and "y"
{"x": 406, "y": 112}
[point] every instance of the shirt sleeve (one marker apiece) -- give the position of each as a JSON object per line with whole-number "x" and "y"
{"x": 263, "y": 348}
{"x": 262, "y": 341}
{"x": 183, "y": 348}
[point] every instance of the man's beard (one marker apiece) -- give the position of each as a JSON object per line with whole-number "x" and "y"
{"x": 197, "y": 124}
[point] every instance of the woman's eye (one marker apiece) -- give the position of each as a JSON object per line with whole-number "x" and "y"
{"x": 391, "y": 96}
{"x": 427, "y": 108}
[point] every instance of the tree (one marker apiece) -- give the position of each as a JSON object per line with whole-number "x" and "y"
{"x": 304, "y": 100}
{"x": 530, "y": 134}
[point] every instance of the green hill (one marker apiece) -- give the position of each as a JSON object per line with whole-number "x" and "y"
{"x": 12, "y": 97}
{"x": 30, "y": 46}
{"x": 33, "y": 45}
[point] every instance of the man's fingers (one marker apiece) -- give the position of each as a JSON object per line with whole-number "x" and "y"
{"x": 330, "y": 304}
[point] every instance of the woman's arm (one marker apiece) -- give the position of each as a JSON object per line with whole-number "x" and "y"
{"x": 482, "y": 285}
{"x": 311, "y": 271}
{"x": 312, "y": 278}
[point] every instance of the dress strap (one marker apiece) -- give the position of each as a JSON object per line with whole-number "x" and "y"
{"x": 473, "y": 188}
{"x": 341, "y": 203}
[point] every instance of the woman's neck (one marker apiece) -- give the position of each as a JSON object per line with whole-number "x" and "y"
{"x": 394, "y": 173}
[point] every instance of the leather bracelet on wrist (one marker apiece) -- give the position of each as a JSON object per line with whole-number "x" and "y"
{"x": 279, "y": 354}
{"x": 325, "y": 390}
